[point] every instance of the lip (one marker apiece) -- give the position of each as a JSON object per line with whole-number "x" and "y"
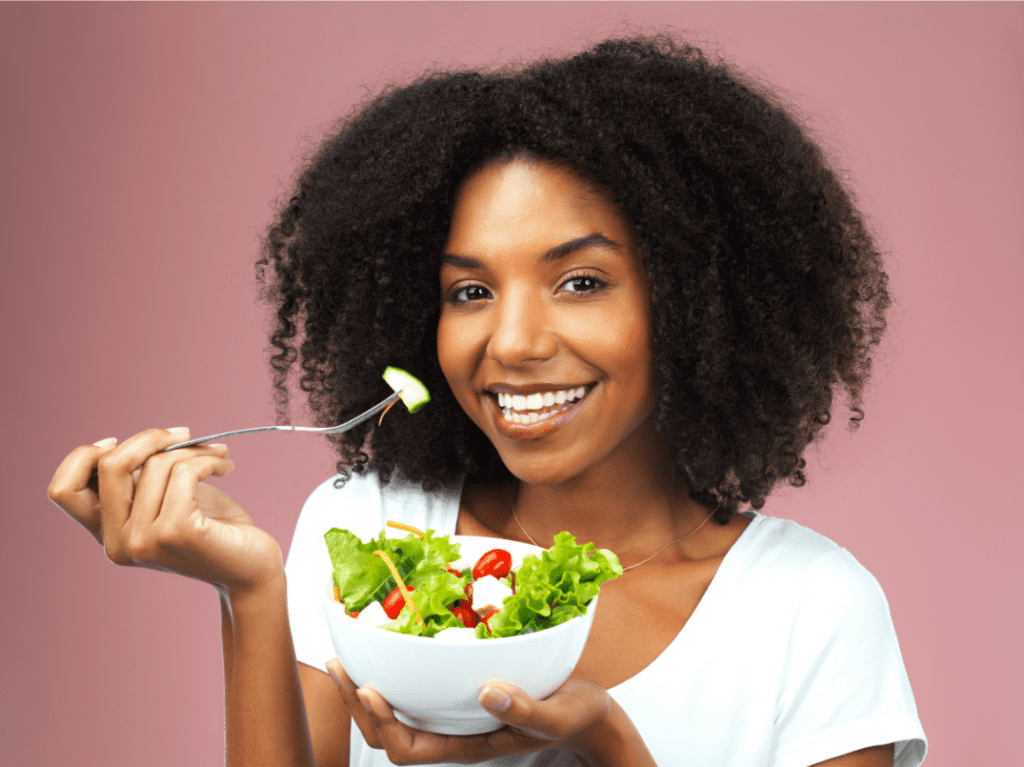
{"x": 537, "y": 388}
{"x": 528, "y": 431}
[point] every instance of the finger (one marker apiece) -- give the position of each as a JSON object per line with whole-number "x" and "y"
{"x": 407, "y": 745}
{"x": 360, "y": 714}
{"x": 397, "y": 739}
{"x": 70, "y": 489}
{"x": 152, "y": 480}
{"x": 573, "y": 707}
{"x": 116, "y": 486}
{"x": 181, "y": 526}
{"x": 185, "y": 477}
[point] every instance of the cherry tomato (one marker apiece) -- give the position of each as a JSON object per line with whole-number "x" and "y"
{"x": 355, "y": 613}
{"x": 394, "y": 602}
{"x": 496, "y": 562}
{"x": 452, "y": 570}
{"x": 464, "y": 614}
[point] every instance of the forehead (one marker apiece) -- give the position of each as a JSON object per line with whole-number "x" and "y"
{"x": 529, "y": 201}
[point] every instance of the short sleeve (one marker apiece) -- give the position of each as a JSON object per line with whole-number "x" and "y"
{"x": 844, "y": 686}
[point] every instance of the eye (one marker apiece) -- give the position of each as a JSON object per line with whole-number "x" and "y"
{"x": 583, "y": 283}
{"x": 464, "y": 294}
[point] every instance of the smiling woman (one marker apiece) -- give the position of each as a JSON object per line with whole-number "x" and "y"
{"x": 543, "y": 303}
{"x": 633, "y": 287}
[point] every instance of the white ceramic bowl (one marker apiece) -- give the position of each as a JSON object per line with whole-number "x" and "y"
{"x": 434, "y": 685}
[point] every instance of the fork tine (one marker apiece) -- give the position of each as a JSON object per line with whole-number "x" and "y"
{"x": 362, "y": 416}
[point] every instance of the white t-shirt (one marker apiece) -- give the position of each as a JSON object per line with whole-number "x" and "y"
{"x": 789, "y": 659}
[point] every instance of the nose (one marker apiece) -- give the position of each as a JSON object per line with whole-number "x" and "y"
{"x": 522, "y": 332}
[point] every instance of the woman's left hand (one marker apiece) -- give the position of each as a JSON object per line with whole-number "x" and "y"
{"x": 577, "y": 717}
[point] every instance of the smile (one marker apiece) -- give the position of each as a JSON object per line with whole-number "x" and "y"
{"x": 533, "y": 408}
{"x": 532, "y": 415}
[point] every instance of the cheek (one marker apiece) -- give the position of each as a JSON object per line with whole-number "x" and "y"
{"x": 447, "y": 352}
{"x": 621, "y": 346}
{"x": 458, "y": 356}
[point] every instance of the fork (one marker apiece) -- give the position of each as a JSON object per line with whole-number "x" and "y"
{"x": 309, "y": 429}
{"x": 94, "y": 476}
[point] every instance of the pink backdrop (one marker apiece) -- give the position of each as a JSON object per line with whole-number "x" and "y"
{"x": 141, "y": 146}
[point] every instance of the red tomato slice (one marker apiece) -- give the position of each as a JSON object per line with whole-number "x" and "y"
{"x": 452, "y": 570}
{"x": 496, "y": 562}
{"x": 467, "y": 616}
{"x": 394, "y": 602}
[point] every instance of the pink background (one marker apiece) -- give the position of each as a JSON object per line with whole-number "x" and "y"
{"x": 141, "y": 145}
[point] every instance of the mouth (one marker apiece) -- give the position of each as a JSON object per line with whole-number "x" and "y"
{"x": 533, "y": 414}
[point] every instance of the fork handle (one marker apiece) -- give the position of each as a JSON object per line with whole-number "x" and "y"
{"x": 200, "y": 440}
{"x": 315, "y": 429}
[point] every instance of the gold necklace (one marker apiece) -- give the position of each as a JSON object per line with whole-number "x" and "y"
{"x": 656, "y": 553}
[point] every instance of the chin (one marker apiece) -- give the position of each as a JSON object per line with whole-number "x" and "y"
{"x": 542, "y": 470}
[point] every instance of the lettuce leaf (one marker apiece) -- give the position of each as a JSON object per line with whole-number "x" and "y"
{"x": 362, "y": 577}
{"x": 553, "y": 588}
{"x": 433, "y": 594}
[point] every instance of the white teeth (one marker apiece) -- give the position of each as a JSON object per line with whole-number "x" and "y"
{"x": 511, "y": 403}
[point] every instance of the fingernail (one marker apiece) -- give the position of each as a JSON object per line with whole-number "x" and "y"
{"x": 365, "y": 700}
{"x": 179, "y": 430}
{"x": 216, "y": 444}
{"x": 108, "y": 442}
{"x": 334, "y": 674}
{"x": 495, "y": 699}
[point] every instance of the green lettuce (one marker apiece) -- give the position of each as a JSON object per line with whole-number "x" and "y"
{"x": 362, "y": 577}
{"x": 552, "y": 588}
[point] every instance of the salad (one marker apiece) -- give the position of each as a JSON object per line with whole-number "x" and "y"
{"x": 409, "y": 585}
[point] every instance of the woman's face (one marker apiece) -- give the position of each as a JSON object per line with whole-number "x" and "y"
{"x": 544, "y": 333}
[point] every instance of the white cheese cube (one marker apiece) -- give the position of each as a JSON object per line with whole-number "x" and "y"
{"x": 488, "y": 594}
{"x": 374, "y": 614}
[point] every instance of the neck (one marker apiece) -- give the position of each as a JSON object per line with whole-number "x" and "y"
{"x": 628, "y": 503}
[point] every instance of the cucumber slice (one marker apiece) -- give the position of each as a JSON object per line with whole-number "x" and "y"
{"x": 414, "y": 394}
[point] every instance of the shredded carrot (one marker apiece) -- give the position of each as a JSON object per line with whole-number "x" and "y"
{"x": 337, "y": 594}
{"x": 408, "y": 528}
{"x": 385, "y": 412}
{"x": 401, "y": 584}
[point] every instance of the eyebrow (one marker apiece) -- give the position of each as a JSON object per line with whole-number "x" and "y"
{"x": 594, "y": 240}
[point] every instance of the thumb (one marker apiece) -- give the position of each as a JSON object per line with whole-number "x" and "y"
{"x": 573, "y": 707}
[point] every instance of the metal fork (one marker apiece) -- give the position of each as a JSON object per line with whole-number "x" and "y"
{"x": 310, "y": 429}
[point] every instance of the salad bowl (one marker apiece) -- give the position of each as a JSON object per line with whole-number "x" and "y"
{"x": 434, "y": 683}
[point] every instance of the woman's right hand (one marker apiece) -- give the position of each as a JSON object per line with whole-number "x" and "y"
{"x": 152, "y": 509}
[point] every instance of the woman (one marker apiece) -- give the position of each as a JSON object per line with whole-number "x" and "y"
{"x": 634, "y": 286}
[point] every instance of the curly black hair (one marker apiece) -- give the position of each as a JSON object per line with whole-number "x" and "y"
{"x": 768, "y": 290}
